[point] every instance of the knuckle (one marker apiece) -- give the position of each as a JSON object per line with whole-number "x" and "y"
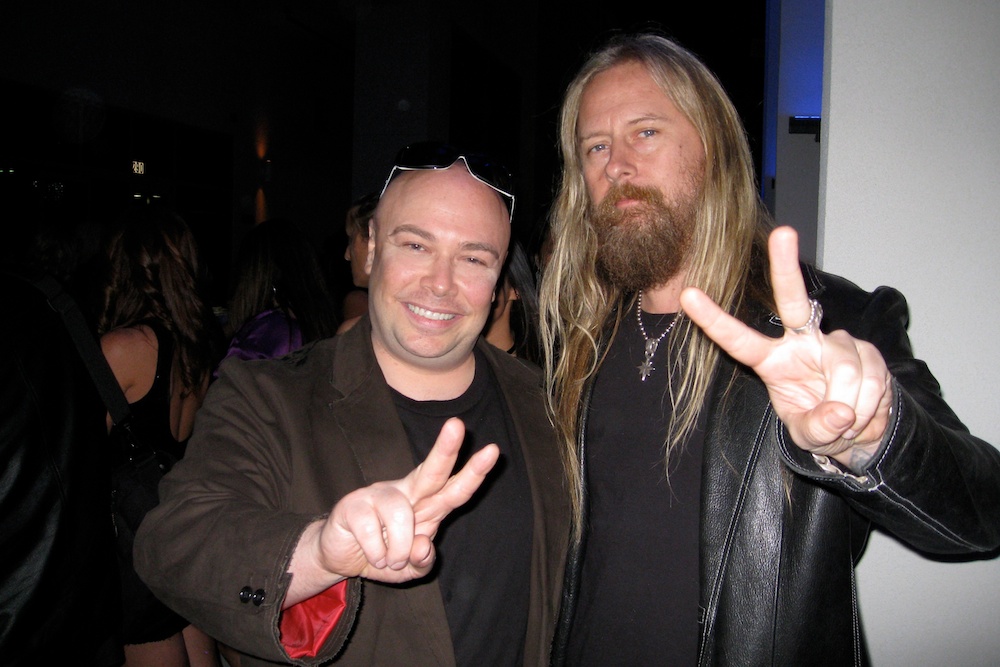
{"x": 399, "y": 516}
{"x": 847, "y": 370}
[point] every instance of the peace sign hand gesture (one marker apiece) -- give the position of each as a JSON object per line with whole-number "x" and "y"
{"x": 832, "y": 391}
{"x": 385, "y": 531}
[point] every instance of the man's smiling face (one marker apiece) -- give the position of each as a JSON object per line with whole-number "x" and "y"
{"x": 440, "y": 239}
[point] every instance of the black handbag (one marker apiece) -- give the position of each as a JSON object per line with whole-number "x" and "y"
{"x": 135, "y": 482}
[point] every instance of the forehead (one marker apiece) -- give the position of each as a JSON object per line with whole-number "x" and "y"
{"x": 444, "y": 198}
{"x": 625, "y": 91}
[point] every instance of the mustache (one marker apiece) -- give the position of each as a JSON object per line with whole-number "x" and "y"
{"x": 628, "y": 190}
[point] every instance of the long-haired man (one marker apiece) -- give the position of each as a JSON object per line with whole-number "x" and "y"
{"x": 732, "y": 423}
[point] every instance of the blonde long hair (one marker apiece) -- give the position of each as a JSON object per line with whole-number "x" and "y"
{"x": 728, "y": 255}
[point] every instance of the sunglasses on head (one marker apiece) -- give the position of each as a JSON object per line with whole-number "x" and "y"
{"x": 436, "y": 155}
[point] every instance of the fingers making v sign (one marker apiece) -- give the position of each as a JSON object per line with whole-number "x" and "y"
{"x": 832, "y": 391}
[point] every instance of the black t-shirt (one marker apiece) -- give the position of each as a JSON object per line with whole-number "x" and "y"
{"x": 638, "y": 602}
{"x": 484, "y": 547}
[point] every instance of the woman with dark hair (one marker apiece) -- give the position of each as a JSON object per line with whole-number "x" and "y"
{"x": 355, "y": 302}
{"x": 161, "y": 340}
{"x": 281, "y": 299}
{"x": 513, "y": 324}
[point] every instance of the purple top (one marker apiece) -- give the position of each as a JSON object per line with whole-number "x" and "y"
{"x": 268, "y": 335}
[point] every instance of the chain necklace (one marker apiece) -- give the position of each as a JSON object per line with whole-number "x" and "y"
{"x": 646, "y": 367}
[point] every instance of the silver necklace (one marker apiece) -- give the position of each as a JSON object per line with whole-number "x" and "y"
{"x": 646, "y": 367}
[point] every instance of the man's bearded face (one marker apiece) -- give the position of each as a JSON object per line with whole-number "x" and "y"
{"x": 645, "y": 244}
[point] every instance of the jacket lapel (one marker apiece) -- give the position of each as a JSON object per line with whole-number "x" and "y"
{"x": 550, "y": 500}
{"x": 739, "y": 482}
{"x": 362, "y": 412}
{"x": 362, "y": 409}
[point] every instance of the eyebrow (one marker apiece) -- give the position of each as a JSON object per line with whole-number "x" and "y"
{"x": 428, "y": 236}
{"x": 635, "y": 121}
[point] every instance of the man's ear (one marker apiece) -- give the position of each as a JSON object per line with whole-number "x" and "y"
{"x": 371, "y": 247}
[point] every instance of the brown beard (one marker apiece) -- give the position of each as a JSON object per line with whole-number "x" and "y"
{"x": 645, "y": 245}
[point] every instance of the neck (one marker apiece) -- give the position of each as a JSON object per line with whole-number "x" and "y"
{"x": 665, "y": 298}
{"x": 426, "y": 383}
{"x": 499, "y": 334}
{"x": 500, "y": 337}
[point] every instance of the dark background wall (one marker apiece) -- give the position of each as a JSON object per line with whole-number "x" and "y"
{"x": 240, "y": 111}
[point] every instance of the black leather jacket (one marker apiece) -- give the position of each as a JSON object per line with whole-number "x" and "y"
{"x": 780, "y": 535}
{"x": 59, "y": 591}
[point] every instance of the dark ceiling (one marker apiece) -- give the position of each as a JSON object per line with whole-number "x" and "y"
{"x": 193, "y": 88}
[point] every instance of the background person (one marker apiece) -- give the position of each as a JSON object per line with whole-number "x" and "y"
{"x": 162, "y": 341}
{"x": 513, "y": 323}
{"x": 355, "y": 302}
{"x": 281, "y": 299}
{"x": 58, "y": 575}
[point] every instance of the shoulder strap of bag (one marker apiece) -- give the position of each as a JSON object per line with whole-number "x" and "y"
{"x": 87, "y": 345}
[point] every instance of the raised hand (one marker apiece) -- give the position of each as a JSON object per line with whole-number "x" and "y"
{"x": 833, "y": 392}
{"x": 385, "y": 531}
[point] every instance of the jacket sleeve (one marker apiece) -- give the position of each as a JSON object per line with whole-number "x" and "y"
{"x": 932, "y": 483}
{"x": 218, "y": 547}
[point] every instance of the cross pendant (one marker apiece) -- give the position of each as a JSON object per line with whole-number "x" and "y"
{"x": 645, "y": 368}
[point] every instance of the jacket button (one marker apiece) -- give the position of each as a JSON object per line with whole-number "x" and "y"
{"x": 258, "y": 597}
{"x": 245, "y": 594}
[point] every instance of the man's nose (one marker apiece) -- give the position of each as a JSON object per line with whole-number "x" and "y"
{"x": 440, "y": 277}
{"x": 621, "y": 163}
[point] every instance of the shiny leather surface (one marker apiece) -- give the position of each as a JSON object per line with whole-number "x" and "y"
{"x": 59, "y": 594}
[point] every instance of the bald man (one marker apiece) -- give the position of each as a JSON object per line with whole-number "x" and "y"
{"x": 317, "y": 513}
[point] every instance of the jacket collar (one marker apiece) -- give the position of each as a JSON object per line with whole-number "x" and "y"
{"x": 814, "y": 288}
{"x": 359, "y": 391}
{"x": 358, "y": 388}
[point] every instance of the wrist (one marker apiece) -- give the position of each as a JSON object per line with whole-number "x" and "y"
{"x": 310, "y": 576}
{"x": 857, "y": 457}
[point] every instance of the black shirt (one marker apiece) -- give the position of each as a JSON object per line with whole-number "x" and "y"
{"x": 484, "y": 547}
{"x": 639, "y": 590}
